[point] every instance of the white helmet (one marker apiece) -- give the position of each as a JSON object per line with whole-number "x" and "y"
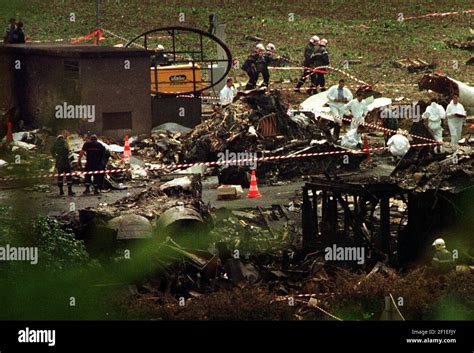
{"x": 314, "y": 40}
{"x": 160, "y": 47}
{"x": 439, "y": 244}
{"x": 323, "y": 41}
{"x": 259, "y": 46}
{"x": 270, "y": 47}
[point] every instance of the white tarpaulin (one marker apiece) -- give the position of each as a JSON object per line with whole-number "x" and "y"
{"x": 379, "y": 103}
{"x": 316, "y": 104}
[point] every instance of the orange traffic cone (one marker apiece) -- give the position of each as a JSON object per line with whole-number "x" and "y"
{"x": 253, "y": 192}
{"x": 9, "y": 132}
{"x": 366, "y": 148}
{"x": 127, "y": 152}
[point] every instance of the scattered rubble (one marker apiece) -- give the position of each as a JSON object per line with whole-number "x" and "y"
{"x": 413, "y": 65}
{"x": 466, "y": 45}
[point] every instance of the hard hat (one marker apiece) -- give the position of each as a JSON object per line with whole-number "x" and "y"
{"x": 160, "y": 47}
{"x": 323, "y": 41}
{"x": 270, "y": 47}
{"x": 439, "y": 244}
{"x": 314, "y": 39}
{"x": 259, "y": 46}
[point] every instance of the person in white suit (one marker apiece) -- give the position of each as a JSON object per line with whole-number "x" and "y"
{"x": 435, "y": 114}
{"x": 456, "y": 115}
{"x": 358, "y": 108}
{"x": 338, "y": 97}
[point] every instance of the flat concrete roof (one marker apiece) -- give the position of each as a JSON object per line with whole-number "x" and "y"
{"x": 71, "y": 50}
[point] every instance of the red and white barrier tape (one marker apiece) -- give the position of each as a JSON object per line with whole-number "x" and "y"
{"x": 439, "y": 14}
{"x": 212, "y": 163}
{"x": 201, "y": 97}
{"x": 96, "y": 35}
{"x": 377, "y": 127}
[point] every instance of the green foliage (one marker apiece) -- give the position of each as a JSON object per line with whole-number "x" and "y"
{"x": 58, "y": 248}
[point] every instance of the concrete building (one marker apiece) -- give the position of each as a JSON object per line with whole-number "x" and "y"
{"x": 104, "y": 90}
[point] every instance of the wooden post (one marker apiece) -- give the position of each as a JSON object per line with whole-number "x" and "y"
{"x": 307, "y": 221}
{"x": 315, "y": 212}
{"x": 385, "y": 224}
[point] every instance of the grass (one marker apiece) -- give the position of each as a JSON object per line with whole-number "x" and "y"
{"x": 381, "y": 39}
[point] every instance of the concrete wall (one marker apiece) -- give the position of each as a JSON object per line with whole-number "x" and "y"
{"x": 114, "y": 89}
{"x": 101, "y": 81}
{"x": 7, "y": 99}
{"x": 46, "y": 87}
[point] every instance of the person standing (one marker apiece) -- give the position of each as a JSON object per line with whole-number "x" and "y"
{"x": 308, "y": 64}
{"x": 228, "y": 92}
{"x": 358, "y": 108}
{"x": 251, "y": 65}
{"x": 321, "y": 58}
{"x": 338, "y": 97}
{"x": 8, "y": 32}
{"x": 268, "y": 59}
{"x": 60, "y": 152}
{"x": 435, "y": 114}
{"x": 456, "y": 115}
{"x": 17, "y": 35}
{"x": 94, "y": 152}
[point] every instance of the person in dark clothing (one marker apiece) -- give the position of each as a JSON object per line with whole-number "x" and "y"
{"x": 94, "y": 152}
{"x": 8, "y": 32}
{"x": 268, "y": 59}
{"x": 60, "y": 152}
{"x": 308, "y": 63}
{"x": 254, "y": 64}
{"x": 321, "y": 58}
{"x": 18, "y": 36}
{"x": 160, "y": 58}
{"x": 443, "y": 261}
{"x": 103, "y": 166}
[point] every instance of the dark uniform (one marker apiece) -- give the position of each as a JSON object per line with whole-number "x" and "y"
{"x": 309, "y": 52}
{"x": 60, "y": 152}
{"x": 95, "y": 153}
{"x": 251, "y": 66}
{"x": 17, "y": 36}
{"x": 442, "y": 261}
{"x": 320, "y": 58}
{"x": 262, "y": 66}
{"x": 160, "y": 59}
{"x": 7, "y": 36}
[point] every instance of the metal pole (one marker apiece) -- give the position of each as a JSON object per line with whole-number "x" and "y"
{"x": 97, "y": 19}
